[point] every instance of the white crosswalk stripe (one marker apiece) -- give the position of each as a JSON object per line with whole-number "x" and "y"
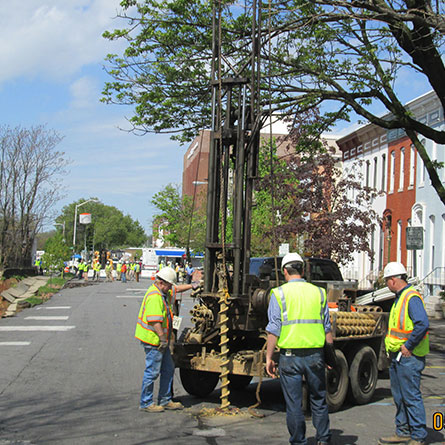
{"x": 129, "y": 296}
{"x": 15, "y": 343}
{"x": 35, "y": 328}
{"x": 52, "y": 307}
{"x": 48, "y": 317}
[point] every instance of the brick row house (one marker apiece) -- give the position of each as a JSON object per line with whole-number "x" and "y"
{"x": 390, "y": 163}
{"x": 386, "y": 161}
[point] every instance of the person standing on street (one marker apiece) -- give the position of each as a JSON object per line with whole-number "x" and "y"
{"x": 155, "y": 331}
{"x": 108, "y": 270}
{"x": 299, "y": 325}
{"x": 137, "y": 270}
{"x": 80, "y": 269}
{"x": 407, "y": 344}
{"x": 124, "y": 273}
{"x": 96, "y": 269}
{"x": 118, "y": 270}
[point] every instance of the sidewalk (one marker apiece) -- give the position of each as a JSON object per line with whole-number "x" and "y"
{"x": 437, "y": 334}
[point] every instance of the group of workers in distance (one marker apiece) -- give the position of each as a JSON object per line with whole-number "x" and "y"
{"x": 125, "y": 270}
{"x": 300, "y": 327}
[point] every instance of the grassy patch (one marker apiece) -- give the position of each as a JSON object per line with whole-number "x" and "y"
{"x": 34, "y": 301}
{"x": 56, "y": 281}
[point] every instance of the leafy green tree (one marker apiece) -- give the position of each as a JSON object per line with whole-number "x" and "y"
{"x": 350, "y": 56}
{"x": 56, "y": 252}
{"x": 109, "y": 227}
{"x": 183, "y": 220}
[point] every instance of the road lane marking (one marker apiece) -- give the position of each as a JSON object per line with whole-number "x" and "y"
{"x": 35, "y": 328}
{"x": 48, "y": 317}
{"x": 129, "y": 296}
{"x": 53, "y": 307}
{"x": 15, "y": 343}
{"x": 140, "y": 289}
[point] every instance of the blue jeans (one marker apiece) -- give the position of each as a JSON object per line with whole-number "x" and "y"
{"x": 310, "y": 364}
{"x": 405, "y": 387}
{"x": 157, "y": 362}
{"x": 124, "y": 277}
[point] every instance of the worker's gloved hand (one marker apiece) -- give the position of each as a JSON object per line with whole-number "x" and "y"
{"x": 330, "y": 357}
{"x": 162, "y": 345}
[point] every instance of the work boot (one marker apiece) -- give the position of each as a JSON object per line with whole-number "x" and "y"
{"x": 394, "y": 439}
{"x": 173, "y": 405}
{"x": 153, "y": 408}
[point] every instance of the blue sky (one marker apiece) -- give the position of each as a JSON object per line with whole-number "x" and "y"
{"x": 52, "y": 57}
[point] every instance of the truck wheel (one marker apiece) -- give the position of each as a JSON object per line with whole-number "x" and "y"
{"x": 238, "y": 382}
{"x": 198, "y": 383}
{"x": 337, "y": 383}
{"x": 363, "y": 375}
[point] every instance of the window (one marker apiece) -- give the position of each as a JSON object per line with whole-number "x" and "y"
{"x": 383, "y": 173}
{"x": 422, "y": 168}
{"x": 367, "y": 173}
{"x": 402, "y": 169}
{"x": 443, "y": 240}
{"x": 399, "y": 240}
{"x": 392, "y": 171}
{"x": 374, "y": 181}
{"x": 432, "y": 259}
{"x": 412, "y": 166}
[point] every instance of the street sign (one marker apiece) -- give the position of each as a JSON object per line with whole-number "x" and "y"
{"x": 414, "y": 238}
{"x": 283, "y": 249}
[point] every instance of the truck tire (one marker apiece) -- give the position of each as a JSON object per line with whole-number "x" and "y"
{"x": 238, "y": 382}
{"x": 198, "y": 383}
{"x": 337, "y": 383}
{"x": 363, "y": 374}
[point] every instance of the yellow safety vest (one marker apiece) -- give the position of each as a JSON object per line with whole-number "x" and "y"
{"x": 400, "y": 325}
{"x": 154, "y": 309}
{"x": 302, "y": 312}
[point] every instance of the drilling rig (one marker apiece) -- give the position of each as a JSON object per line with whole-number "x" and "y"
{"x": 228, "y": 336}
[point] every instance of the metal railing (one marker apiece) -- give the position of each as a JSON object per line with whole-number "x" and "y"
{"x": 436, "y": 277}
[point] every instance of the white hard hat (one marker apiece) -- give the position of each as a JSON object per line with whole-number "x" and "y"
{"x": 290, "y": 258}
{"x": 394, "y": 268}
{"x": 167, "y": 274}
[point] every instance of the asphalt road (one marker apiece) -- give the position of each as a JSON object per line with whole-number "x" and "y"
{"x": 71, "y": 370}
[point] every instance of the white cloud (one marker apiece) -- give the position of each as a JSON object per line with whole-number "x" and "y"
{"x": 82, "y": 90}
{"x": 54, "y": 39}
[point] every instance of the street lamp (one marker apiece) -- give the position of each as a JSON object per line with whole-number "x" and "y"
{"x": 63, "y": 229}
{"x": 75, "y": 217}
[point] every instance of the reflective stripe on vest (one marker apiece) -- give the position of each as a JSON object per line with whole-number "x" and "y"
{"x": 286, "y": 321}
{"x": 400, "y": 325}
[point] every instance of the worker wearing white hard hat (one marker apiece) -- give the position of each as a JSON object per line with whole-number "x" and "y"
{"x": 394, "y": 269}
{"x": 299, "y": 325}
{"x": 155, "y": 331}
{"x": 407, "y": 344}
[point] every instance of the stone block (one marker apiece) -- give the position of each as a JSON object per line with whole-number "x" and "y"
{"x": 22, "y": 287}
{"x": 15, "y": 292}
{"x": 7, "y": 296}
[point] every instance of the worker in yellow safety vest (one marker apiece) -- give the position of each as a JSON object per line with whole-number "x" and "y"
{"x": 154, "y": 329}
{"x": 299, "y": 325}
{"x": 80, "y": 269}
{"x": 96, "y": 269}
{"x": 407, "y": 344}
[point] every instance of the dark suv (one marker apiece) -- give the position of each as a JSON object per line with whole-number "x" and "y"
{"x": 315, "y": 269}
